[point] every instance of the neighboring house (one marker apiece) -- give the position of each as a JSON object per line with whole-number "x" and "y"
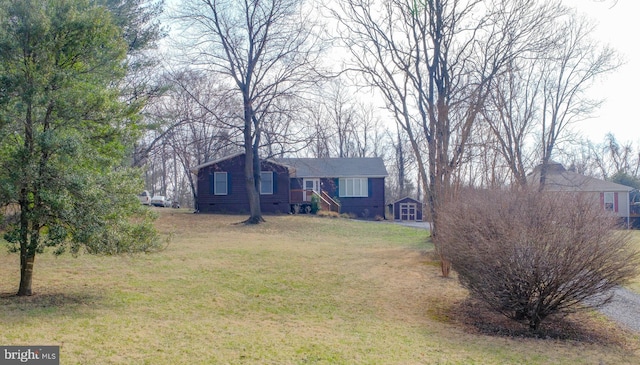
{"x": 346, "y": 185}
{"x": 407, "y": 210}
{"x": 611, "y": 196}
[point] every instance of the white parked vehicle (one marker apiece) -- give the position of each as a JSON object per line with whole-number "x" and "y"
{"x": 145, "y": 198}
{"x": 160, "y": 201}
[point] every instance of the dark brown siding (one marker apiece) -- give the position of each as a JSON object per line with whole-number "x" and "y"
{"x": 365, "y": 207}
{"x": 236, "y": 200}
{"x": 279, "y": 201}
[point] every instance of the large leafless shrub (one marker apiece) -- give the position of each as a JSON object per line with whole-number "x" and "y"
{"x": 532, "y": 254}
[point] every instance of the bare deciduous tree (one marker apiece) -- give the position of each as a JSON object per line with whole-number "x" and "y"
{"x": 570, "y": 69}
{"x": 530, "y": 254}
{"x": 536, "y": 101}
{"x": 399, "y": 184}
{"x": 190, "y": 125}
{"x": 341, "y": 119}
{"x": 266, "y": 50}
{"x": 285, "y": 131}
{"x": 434, "y": 62}
{"x": 611, "y": 157}
{"x": 511, "y": 113}
{"x": 343, "y": 125}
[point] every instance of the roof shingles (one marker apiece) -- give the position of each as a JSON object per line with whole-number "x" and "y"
{"x": 335, "y": 167}
{"x": 560, "y": 179}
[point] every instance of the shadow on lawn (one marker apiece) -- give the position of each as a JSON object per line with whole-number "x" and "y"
{"x": 578, "y": 327}
{"x": 49, "y": 303}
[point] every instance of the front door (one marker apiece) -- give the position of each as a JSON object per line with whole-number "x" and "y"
{"x": 407, "y": 212}
{"x": 310, "y": 185}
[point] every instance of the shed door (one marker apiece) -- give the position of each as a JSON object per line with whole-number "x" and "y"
{"x": 408, "y": 212}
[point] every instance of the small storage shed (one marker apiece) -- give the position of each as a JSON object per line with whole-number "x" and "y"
{"x": 408, "y": 210}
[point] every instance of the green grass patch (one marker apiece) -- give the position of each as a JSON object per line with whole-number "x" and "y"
{"x": 295, "y": 290}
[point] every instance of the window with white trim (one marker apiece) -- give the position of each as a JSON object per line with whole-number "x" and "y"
{"x": 609, "y": 203}
{"x": 220, "y": 183}
{"x": 355, "y": 187}
{"x": 266, "y": 182}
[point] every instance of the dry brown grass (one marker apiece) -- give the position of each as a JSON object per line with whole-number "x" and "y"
{"x": 295, "y": 290}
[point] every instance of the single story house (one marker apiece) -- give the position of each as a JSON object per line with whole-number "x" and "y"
{"x": 407, "y": 210}
{"x": 345, "y": 185}
{"x": 611, "y": 196}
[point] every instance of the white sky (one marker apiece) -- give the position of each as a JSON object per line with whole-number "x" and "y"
{"x": 617, "y": 23}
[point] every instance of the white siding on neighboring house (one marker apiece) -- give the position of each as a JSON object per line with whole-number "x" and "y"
{"x": 611, "y": 196}
{"x": 616, "y": 201}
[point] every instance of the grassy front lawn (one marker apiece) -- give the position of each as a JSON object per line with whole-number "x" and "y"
{"x": 295, "y": 290}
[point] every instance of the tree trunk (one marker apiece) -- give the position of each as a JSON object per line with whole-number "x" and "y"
{"x": 544, "y": 169}
{"x": 26, "y": 274}
{"x": 28, "y": 244}
{"x": 445, "y": 266}
{"x": 252, "y": 192}
{"x": 250, "y": 153}
{"x": 534, "y": 323}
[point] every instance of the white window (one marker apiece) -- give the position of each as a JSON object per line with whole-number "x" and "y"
{"x": 354, "y": 187}
{"x": 220, "y": 183}
{"x": 609, "y": 201}
{"x": 266, "y": 182}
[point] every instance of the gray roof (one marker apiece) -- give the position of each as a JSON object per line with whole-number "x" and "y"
{"x": 560, "y": 179}
{"x": 213, "y": 162}
{"x": 322, "y": 167}
{"x": 334, "y": 167}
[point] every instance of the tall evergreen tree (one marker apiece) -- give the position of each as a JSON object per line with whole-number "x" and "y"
{"x": 63, "y": 125}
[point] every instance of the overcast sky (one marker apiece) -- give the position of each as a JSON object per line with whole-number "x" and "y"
{"x": 617, "y": 25}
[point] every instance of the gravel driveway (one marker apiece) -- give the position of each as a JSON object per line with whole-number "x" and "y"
{"x": 624, "y": 308}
